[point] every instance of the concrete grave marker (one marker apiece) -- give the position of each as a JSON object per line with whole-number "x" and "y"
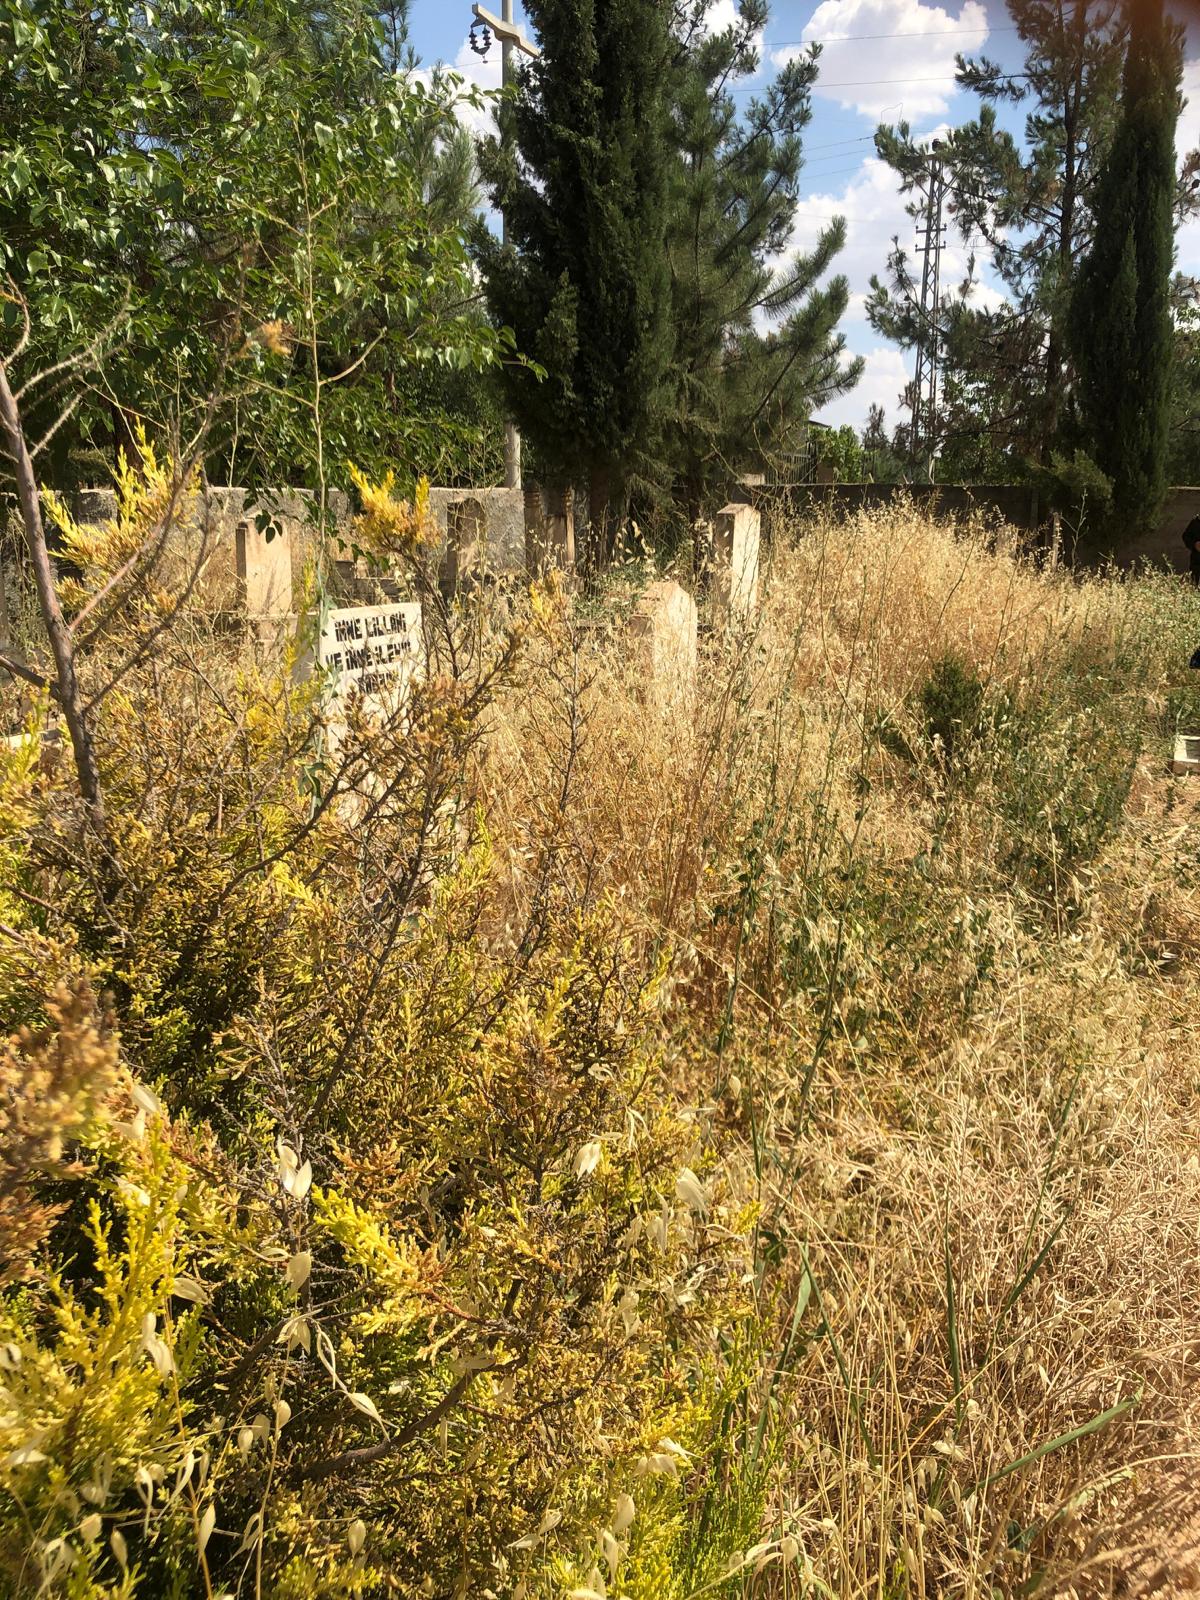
{"x": 1187, "y": 754}
{"x": 736, "y": 533}
{"x": 662, "y": 630}
{"x": 535, "y": 529}
{"x": 466, "y": 549}
{"x": 371, "y": 651}
{"x": 550, "y": 538}
{"x": 264, "y": 570}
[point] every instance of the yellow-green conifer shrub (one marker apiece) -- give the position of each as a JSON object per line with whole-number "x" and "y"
{"x": 369, "y": 1248}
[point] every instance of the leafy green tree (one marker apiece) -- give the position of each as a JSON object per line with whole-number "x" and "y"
{"x": 206, "y": 201}
{"x": 841, "y": 449}
{"x": 581, "y": 174}
{"x": 1121, "y": 327}
{"x": 882, "y": 462}
{"x": 1029, "y": 207}
{"x": 756, "y": 346}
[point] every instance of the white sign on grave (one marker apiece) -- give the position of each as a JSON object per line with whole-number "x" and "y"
{"x": 371, "y": 651}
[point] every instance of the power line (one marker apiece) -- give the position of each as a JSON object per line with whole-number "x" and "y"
{"x": 829, "y": 143}
{"x": 836, "y": 172}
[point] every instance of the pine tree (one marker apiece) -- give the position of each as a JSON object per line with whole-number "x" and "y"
{"x": 581, "y": 174}
{"x": 1029, "y": 209}
{"x": 756, "y": 347}
{"x": 1121, "y": 325}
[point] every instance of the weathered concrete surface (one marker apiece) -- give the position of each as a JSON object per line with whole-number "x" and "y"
{"x": 466, "y": 552}
{"x": 736, "y": 537}
{"x": 264, "y": 571}
{"x": 663, "y": 635}
{"x": 504, "y": 516}
{"x": 1165, "y": 543}
{"x": 243, "y": 567}
{"x": 549, "y": 517}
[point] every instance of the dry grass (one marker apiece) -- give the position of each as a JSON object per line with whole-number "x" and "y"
{"x": 945, "y": 1004}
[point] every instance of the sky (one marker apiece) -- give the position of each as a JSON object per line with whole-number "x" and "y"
{"x": 882, "y": 61}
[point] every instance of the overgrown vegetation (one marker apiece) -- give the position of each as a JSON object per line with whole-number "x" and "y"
{"x": 545, "y": 1143}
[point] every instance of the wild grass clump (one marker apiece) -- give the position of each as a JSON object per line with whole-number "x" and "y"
{"x": 563, "y": 1140}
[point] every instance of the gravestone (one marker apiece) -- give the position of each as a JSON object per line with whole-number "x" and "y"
{"x": 734, "y": 582}
{"x": 466, "y": 551}
{"x": 550, "y": 538}
{"x": 264, "y": 571}
{"x": 535, "y": 529}
{"x": 217, "y": 547}
{"x": 662, "y": 632}
{"x": 1187, "y": 754}
{"x": 371, "y": 652}
{"x": 502, "y": 538}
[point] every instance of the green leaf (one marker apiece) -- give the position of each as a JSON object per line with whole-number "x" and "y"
{"x": 1063, "y": 1439}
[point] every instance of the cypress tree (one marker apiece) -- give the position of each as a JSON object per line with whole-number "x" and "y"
{"x": 1120, "y": 325}
{"x": 581, "y": 174}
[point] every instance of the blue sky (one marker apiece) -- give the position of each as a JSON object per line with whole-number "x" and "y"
{"x": 882, "y": 60}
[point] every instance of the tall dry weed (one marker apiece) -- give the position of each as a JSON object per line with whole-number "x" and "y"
{"x": 944, "y": 999}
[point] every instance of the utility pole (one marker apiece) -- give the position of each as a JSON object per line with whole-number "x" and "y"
{"x": 511, "y": 38}
{"x": 931, "y": 237}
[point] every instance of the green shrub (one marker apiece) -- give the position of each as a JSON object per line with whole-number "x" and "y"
{"x": 951, "y": 700}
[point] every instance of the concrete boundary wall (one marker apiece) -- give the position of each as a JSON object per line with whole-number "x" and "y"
{"x": 1013, "y": 503}
{"x": 1016, "y": 504}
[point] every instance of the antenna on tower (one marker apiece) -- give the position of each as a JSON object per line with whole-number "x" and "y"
{"x": 931, "y": 235}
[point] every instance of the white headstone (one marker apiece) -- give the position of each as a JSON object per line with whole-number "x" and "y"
{"x": 736, "y": 532}
{"x": 663, "y": 631}
{"x": 371, "y": 651}
{"x": 264, "y": 569}
{"x": 1187, "y": 754}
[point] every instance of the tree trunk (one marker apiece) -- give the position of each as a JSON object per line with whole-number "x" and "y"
{"x": 62, "y": 646}
{"x": 600, "y": 515}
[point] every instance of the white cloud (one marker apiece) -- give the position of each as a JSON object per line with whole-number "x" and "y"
{"x": 874, "y": 210}
{"x": 885, "y": 374}
{"x": 484, "y": 72}
{"x": 724, "y": 14}
{"x": 1187, "y": 139}
{"x": 899, "y": 57}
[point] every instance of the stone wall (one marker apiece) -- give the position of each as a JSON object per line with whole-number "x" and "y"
{"x": 501, "y": 546}
{"x": 213, "y": 526}
{"x": 1016, "y": 504}
{"x": 1165, "y": 543}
